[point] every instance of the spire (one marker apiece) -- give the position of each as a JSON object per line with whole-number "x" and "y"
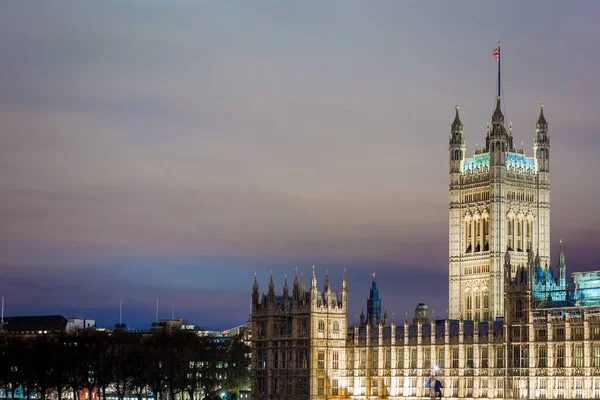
{"x": 542, "y": 125}
{"x": 271, "y": 284}
{"x": 255, "y": 286}
{"x": 327, "y": 285}
{"x": 561, "y": 256}
{"x": 498, "y": 117}
{"x": 457, "y": 125}
{"x": 499, "y": 83}
{"x": 313, "y": 280}
{"x": 344, "y": 281}
{"x": 296, "y": 279}
{"x": 498, "y": 127}
{"x": 285, "y": 287}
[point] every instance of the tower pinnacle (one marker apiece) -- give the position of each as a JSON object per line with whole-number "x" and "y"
{"x": 457, "y": 125}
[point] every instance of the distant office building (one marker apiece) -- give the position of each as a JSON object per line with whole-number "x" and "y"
{"x": 45, "y": 325}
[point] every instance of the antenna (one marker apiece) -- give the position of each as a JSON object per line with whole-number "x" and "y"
{"x": 173, "y": 313}
{"x": 121, "y": 312}
{"x": 157, "y": 310}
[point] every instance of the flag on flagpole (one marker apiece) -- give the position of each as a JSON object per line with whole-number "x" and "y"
{"x": 496, "y": 54}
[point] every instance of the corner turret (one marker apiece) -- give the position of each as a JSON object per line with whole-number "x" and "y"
{"x": 374, "y": 304}
{"x": 271, "y": 294}
{"x": 562, "y": 267}
{"x": 541, "y": 144}
{"x": 457, "y": 144}
{"x": 255, "y": 294}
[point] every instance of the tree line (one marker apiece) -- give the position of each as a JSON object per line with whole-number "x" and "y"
{"x": 175, "y": 366}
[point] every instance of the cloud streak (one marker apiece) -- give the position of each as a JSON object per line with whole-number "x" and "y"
{"x": 162, "y": 144}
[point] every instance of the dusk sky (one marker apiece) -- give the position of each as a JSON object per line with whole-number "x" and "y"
{"x": 172, "y": 149}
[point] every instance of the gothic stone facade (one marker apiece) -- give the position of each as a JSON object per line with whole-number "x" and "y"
{"x": 499, "y": 199}
{"x": 514, "y": 329}
{"x": 304, "y": 348}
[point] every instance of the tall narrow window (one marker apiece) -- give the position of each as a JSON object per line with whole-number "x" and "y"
{"x": 335, "y": 356}
{"x": 321, "y": 360}
{"x": 321, "y": 329}
{"x": 578, "y": 359}
{"x": 484, "y": 357}
{"x": 469, "y": 357}
{"x": 560, "y": 357}
{"x": 400, "y": 359}
{"x": 455, "y": 358}
{"x": 336, "y": 330}
{"x": 499, "y": 357}
{"x": 542, "y": 357}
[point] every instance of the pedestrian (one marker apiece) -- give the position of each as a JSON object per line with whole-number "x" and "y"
{"x": 438, "y": 388}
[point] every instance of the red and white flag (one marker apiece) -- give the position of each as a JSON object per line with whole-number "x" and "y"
{"x": 496, "y": 54}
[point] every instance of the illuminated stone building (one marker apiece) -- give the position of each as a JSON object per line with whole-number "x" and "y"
{"x": 516, "y": 327}
{"x": 544, "y": 347}
{"x": 499, "y": 199}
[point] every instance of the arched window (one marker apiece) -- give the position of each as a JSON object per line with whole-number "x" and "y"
{"x": 469, "y": 302}
{"x": 321, "y": 327}
{"x": 336, "y": 330}
{"x": 492, "y": 147}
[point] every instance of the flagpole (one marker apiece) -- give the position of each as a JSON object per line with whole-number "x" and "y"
{"x": 498, "y": 97}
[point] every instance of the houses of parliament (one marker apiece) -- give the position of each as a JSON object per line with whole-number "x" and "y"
{"x": 517, "y": 326}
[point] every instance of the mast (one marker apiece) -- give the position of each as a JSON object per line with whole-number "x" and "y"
{"x": 499, "y": 86}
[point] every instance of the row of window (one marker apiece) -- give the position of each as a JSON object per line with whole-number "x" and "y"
{"x": 520, "y": 196}
{"x": 477, "y": 269}
{"x": 480, "y": 196}
{"x": 558, "y": 333}
{"x": 281, "y": 385}
{"x": 335, "y": 329}
{"x": 412, "y": 362}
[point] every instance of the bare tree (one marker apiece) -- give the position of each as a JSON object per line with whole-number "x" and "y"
{"x": 237, "y": 370}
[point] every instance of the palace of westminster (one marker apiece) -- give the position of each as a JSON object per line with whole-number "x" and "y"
{"x": 516, "y": 326}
